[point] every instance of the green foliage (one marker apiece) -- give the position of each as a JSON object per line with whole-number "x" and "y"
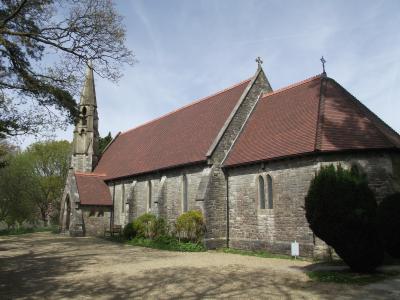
{"x": 341, "y": 210}
{"x": 346, "y": 277}
{"x": 103, "y": 142}
{"x": 260, "y": 253}
{"x": 129, "y": 231}
{"x": 389, "y": 224}
{"x": 17, "y": 187}
{"x": 153, "y": 232}
{"x": 190, "y": 226}
{"x": 70, "y": 33}
{"x": 33, "y": 182}
{"x": 149, "y": 226}
{"x": 24, "y": 230}
{"x": 167, "y": 243}
{"x": 49, "y": 163}
{"x": 144, "y": 225}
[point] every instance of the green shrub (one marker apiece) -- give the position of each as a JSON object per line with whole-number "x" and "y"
{"x": 389, "y": 224}
{"x": 160, "y": 227}
{"x": 341, "y": 210}
{"x": 144, "y": 225}
{"x": 190, "y": 226}
{"x": 129, "y": 231}
{"x": 167, "y": 243}
{"x": 149, "y": 226}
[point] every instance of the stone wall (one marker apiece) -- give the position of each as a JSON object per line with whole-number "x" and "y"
{"x": 119, "y": 190}
{"x": 166, "y": 194}
{"x": 96, "y": 219}
{"x": 70, "y": 214}
{"x": 274, "y": 229}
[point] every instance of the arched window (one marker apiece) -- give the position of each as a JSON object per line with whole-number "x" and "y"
{"x": 270, "y": 196}
{"x": 261, "y": 192}
{"x": 184, "y": 194}
{"x": 92, "y": 212}
{"x": 149, "y": 195}
{"x": 84, "y": 119}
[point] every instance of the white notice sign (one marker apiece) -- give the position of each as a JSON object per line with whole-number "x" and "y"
{"x": 295, "y": 249}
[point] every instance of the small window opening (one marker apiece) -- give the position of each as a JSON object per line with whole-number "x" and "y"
{"x": 92, "y": 212}
{"x": 185, "y": 203}
{"x": 149, "y": 195}
{"x": 100, "y": 213}
{"x": 84, "y": 111}
{"x": 261, "y": 192}
{"x": 269, "y": 192}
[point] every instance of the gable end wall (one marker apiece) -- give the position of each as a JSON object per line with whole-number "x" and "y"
{"x": 215, "y": 202}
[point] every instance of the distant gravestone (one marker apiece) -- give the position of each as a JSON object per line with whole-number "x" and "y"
{"x": 295, "y": 249}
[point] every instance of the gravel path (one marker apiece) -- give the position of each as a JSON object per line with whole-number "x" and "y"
{"x": 48, "y": 266}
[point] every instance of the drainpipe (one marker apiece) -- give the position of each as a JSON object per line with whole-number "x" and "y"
{"x": 227, "y": 209}
{"x": 112, "y": 208}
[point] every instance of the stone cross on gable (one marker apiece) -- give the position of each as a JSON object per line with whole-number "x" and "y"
{"x": 323, "y": 64}
{"x": 259, "y": 61}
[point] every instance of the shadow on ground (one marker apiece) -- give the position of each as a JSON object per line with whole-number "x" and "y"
{"x": 54, "y": 267}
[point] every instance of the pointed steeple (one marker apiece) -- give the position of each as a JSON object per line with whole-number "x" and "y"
{"x": 86, "y": 134}
{"x": 88, "y": 95}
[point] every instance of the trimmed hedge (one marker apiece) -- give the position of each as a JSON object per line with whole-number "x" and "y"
{"x": 389, "y": 224}
{"x": 341, "y": 210}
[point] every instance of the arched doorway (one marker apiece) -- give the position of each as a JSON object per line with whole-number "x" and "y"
{"x": 68, "y": 213}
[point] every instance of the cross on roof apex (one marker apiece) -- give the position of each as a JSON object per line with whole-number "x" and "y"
{"x": 259, "y": 61}
{"x": 323, "y": 65}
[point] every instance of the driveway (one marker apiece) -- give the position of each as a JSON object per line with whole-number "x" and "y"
{"x": 48, "y": 266}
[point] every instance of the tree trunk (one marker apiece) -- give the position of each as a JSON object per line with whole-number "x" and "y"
{"x": 44, "y": 218}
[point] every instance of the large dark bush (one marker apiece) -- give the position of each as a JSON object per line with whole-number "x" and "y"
{"x": 389, "y": 224}
{"x": 341, "y": 210}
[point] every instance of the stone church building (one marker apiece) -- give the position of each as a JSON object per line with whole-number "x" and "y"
{"x": 244, "y": 156}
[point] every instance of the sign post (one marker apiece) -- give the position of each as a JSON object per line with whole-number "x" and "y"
{"x": 295, "y": 249}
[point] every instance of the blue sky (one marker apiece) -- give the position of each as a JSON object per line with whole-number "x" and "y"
{"x": 190, "y": 49}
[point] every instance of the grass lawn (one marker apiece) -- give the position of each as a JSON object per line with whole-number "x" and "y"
{"x": 259, "y": 253}
{"x": 163, "y": 243}
{"x": 23, "y": 230}
{"x": 349, "y": 277}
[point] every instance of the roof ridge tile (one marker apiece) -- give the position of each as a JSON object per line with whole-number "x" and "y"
{"x": 293, "y": 85}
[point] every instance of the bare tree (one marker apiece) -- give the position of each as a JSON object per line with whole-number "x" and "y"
{"x": 43, "y": 46}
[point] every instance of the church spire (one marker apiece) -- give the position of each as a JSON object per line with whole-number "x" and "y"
{"x": 88, "y": 95}
{"x": 86, "y": 134}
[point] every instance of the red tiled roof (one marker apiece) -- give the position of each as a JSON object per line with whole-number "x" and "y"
{"x": 297, "y": 120}
{"x": 179, "y": 138}
{"x": 92, "y": 189}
